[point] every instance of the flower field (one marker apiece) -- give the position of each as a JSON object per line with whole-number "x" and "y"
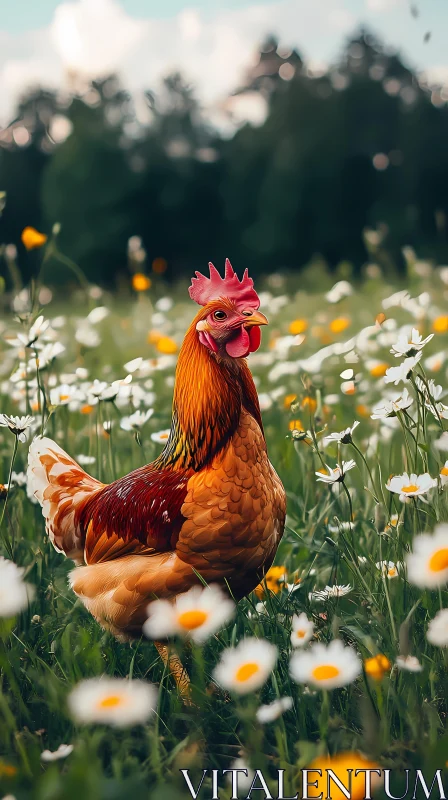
{"x": 340, "y": 656}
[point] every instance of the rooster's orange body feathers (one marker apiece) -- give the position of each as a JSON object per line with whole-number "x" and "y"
{"x": 210, "y": 505}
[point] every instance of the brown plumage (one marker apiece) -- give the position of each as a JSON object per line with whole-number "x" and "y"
{"x": 211, "y": 504}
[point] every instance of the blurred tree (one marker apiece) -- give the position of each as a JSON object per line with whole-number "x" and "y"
{"x": 363, "y": 145}
{"x": 88, "y": 186}
{"x": 25, "y": 149}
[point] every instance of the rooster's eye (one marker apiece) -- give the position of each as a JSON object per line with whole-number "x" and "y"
{"x": 220, "y": 315}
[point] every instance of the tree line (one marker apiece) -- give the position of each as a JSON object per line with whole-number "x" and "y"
{"x": 362, "y": 146}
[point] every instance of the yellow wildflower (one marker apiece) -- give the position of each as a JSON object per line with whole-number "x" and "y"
{"x": 296, "y": 425}
{"x": 289, "y": 398}
{"x": 166, "y": 345}
{"x": 440, "y": 324}
{"x": 309, "y": 404}
{"x": 298, "y": 326}
{"x": 377, "y": 666}
{"x": 339, "y": 325}
{"x": 340, "y": 764}
{"x": 141, "y": 282}
{"x": 274, "y": 580}
{"x": 32, "y": 239}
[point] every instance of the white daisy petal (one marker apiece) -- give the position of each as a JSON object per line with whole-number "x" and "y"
{"x": 246, "y": 667}
{"x": 117, "y": 702}
{"x": 326, "y": 666}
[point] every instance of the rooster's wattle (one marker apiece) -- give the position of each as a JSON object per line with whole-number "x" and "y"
{"x": 211, "y": 504}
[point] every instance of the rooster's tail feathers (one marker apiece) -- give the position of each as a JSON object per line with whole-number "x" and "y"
{"x": 60, "y": 485}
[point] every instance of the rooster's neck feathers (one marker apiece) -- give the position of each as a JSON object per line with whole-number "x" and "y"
{"x": 209, "y": 396}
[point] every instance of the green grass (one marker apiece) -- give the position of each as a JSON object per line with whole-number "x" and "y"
{"x": 400, "y": 721}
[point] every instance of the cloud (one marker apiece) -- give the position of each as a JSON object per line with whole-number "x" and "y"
{"x": 383, "y": 5}
{"x": 96, "y": 37}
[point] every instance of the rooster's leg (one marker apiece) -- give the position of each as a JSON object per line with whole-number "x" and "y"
{"x": 177, "y": 669}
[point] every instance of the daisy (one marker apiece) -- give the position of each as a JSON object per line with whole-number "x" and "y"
{"x": 444, "y": 474}
{"x": 409, "y": 663}
{"x": 410, "y": 485}
{"x": 18, "y": 478}
{"x": 438, "y": 410}
{"x": 85, "y": 460}
{"x": 35, "y": 332}
{"x": 437, "y": 632}
{"x": 17, "y": 425}
{"x": 344, "y": 526}
{"x": 247, "y": 666}
{"x": 63, "y": 751}
{"x": 47, "y": 355}
{"x": 389, "y": 569}
{"x": 136, "y": 420}
{"x": 410, "y": 346}
{"x": 344, "y": 437}
{"x": 435, "y": 362}
{"x": 164, "y": 304}
{"x": 134, "y": 365}
{"x": 64, "y": 394}
{"x": 337, "y": 474}
{"x": 428, "y": 563}
{"x": 160, "y": 437}
{"x": 429, "y": 388}
{"x": 196, "y": 614}
{"x": 86, "y": 335}
{"x": 326, "y": 666}
{"x": 398, "y": 374}
{"x": 389, "y": 408}
{"x": 97, "y": 315}
{"x": 274, "y": 710}
{"x": 121, "y": 387}
{"x": 340, "y": 290}
{"x": 331, "y": 591}
{"x": 302, "y": 630}
{"x": 240, "y": 776}
{"x": 112, "y": 701}
{"x": 15, "y": 594}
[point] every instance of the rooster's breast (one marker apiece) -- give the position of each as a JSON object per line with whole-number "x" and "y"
{"x": 234, "y": 513}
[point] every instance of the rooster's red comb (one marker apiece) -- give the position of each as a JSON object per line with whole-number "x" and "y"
{"x": 242, "y": 292}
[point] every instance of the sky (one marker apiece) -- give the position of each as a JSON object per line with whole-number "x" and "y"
{"x": 210, "y": 41}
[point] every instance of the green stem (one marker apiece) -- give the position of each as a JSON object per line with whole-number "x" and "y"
{"x": 5, "y": 537}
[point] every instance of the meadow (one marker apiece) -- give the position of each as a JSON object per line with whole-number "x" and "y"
{"x": 354, "y": 565}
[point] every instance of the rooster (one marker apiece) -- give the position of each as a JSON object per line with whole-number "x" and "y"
{"x": 210, "y": 507}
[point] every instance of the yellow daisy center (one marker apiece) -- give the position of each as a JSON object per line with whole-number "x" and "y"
{"x": 379, "y": 370}
{"x": 164, "y": 436}
{"x": 391, "y": 572}
{"x": 325, "y": 671}
{"x": 112, "y": 701}
{"x": 411, "y": 488}
{"x": 246, "y": 671}
{"x": 439, "y": 560}
{"x": 64, "y": 397}
{"x": 190, "y": 620}
{"x": 444, "y": 471}
{"x": 300, "y": 634}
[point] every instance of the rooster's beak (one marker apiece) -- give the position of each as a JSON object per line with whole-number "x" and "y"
{"x": 257, "y": 318}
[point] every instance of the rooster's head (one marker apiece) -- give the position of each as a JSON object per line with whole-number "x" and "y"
{"x": 229, "y": 323}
